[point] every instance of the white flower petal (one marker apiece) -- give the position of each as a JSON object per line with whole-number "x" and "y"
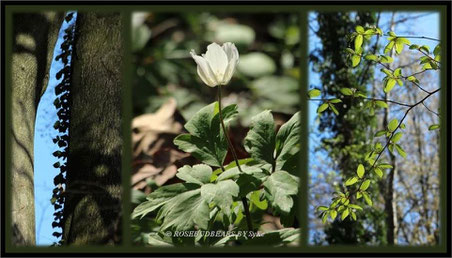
{"x": 231, "y": 51}
{"x": 204, "y": 70}
{"x": 217, "y": 59}
{"x": 229, "y": 71}
{"x": 205, "y": 78}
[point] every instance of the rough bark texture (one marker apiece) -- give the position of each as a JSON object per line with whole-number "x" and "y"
{"x": 34, "y": 38}
{"x": 93, "y": 194}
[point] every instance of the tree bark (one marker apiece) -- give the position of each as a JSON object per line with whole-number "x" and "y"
{"x": 92, "y": 209}
{"x": 34, "y": 38}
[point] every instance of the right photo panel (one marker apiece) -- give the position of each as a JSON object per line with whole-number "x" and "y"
{"x": 374, "y": 100}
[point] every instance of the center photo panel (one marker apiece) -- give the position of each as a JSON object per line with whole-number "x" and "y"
{"x": 215, "y": 129}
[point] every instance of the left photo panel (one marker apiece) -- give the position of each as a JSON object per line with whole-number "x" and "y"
{"x": 65, "y": 128}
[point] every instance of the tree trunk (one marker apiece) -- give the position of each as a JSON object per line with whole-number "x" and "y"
{"x": 390, "y": 194}
{"x": 92, "y": 209}
{"x": 34, "y": 38}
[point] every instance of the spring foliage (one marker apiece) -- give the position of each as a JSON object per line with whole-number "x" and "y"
{"x": 346, "y": 204}
{"x": 211, "y": 191}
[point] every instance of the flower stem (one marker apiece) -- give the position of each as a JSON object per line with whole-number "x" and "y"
{"x": 231, "y": 147}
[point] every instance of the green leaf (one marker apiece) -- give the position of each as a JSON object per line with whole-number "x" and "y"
{"x": 397, "y": 72}
{"x": 393, "y": 125}
{"x": 322, "y": 107}
{"x": 346, "y": 91}
{"x": 433, "y": 127}
{"x": 359, "y": 29}
{"x": 384, "y": 166}
{"x": 345, "y": 214}
{"x": 256, "y": 200}
{"x": 437, "y": 50}
{"x": 381, "y": 104}
{"x": 221, "y": 194}
{"x": 354, "y": 206}
{"x": 387, "y": 72}
{"x": 256, "y": 64}
{"x": 412, "y": 79}
{"x": 367, "y": 198}
{"x": 351, "y": 181}
{"x": 353, "y": 215}
{"x": 399, "y": 43}
{"x": 333, "y": 214}
{"x": 365, "y": 185}
{"x": 184, "y": 211}
{"x": 322, "y": 208}
{"x": 140, "y": 36}
{"x": 358, "y": 41}
{"x": 380, "y": 133}
{"x": 390, "y": 83}
{"x": 389, "y": 46}
{"x": 350, "y": 51}
{"x": 287, "y": 141}
{"x": 359, "y": 195}
{"x": 425, "y": 48}
{"x": 335, "y": 101}
{"x": 360, "y": 171}
{"x": 248, "y": 183}
{"x": 314, "y": 93}
{"x": 279, "y": 187}
{"x": 427, "y": 66}
{"x": 371, "y": 57}
{"x": 397, "y": 137}
{"x": 206, "y": 140}
{"x": 355, "y": 60}
{"x": 160, "y": 197}
{"x": 400, "y": 150}
{"x": 379, "y": 172}
{"x": 333, "y": 108}
{"x": 386, "y": 59}
{"x": 261, "y": 139}
{"x": 232, "y": 32}
{"x": 198, "y": 174}
{"x": 228, "y": 174}
{"x": 324, "y": 217}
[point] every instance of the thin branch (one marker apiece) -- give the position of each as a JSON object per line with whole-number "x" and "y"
{"x": 375, "y": 162}
{"x": 418, "y": 37}
{"x": 405, "y": 77}
{"x": 372, "y": 99}
{"x": 400, "y": 123}
{"x": 430, "y": 109}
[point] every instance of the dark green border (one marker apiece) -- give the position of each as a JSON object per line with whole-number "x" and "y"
{"x": 126, "y": 107}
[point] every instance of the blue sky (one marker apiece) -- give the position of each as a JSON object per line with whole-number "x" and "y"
{"x": 428, "y": 25}
{"x": 43, "y": 149}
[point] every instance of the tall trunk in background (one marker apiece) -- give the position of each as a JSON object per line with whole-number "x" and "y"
{"x": 92, "y": 210}
{"x": 389, "y": 196}
{"x": 33, "y": 48}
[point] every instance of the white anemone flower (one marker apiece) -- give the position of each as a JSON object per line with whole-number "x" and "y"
{"x": 217, "y": 65}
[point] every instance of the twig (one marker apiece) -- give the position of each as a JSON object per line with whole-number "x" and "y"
{"x": 418, "y": 37}
{"x": 372, "y": 99}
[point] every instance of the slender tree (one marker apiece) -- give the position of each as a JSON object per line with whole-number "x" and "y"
{"x": 31, "y": 58}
